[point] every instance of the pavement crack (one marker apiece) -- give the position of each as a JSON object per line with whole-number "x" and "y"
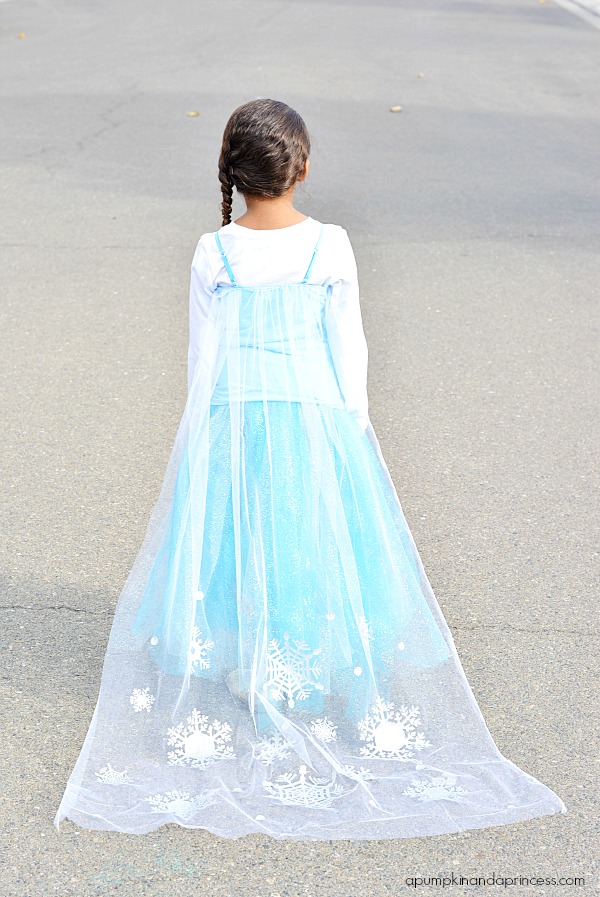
{"x": 75, "y": 610}
{"x": 528, "y": 629}
{"x": 110, "y": 125}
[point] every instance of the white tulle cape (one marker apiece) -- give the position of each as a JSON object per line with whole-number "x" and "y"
{"x": 278, "y": 662}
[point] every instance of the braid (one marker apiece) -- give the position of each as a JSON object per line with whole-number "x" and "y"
{"x": 226, "y": 184}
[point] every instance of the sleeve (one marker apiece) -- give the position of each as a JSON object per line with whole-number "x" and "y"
{"x": 200, "y": 299}
{"x": 347, "y": 342}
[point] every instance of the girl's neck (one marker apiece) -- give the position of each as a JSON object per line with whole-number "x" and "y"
{"x": 270, "y": 214}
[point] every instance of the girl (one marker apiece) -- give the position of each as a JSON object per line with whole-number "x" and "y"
{"x": 278, "y": 662}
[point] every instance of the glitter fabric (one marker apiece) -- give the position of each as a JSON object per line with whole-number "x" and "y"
{"x": 278, "y": 559}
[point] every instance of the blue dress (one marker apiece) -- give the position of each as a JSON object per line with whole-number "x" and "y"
{"x": 278, "y": 662}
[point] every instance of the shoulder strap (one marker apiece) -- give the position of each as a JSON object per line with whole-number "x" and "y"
{"x": 314, "y": 255}
{"x": 225, "y": 260}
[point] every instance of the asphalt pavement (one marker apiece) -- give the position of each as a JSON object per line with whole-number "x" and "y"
{"x": 475, "y": 217}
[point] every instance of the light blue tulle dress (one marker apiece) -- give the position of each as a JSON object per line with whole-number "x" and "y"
{"x": 278, "y": 552}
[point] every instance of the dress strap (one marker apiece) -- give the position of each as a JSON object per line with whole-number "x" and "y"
{"x": 226, "y": 260}
{"x": 314, "y": 255}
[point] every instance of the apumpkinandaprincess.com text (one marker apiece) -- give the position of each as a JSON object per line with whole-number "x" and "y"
{"x": 502, "y": 881}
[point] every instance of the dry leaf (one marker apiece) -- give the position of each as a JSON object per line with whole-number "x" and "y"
{"x": 395, "y": 108}
{"x": 21, "y": 35}
{"x": 193, "y": 113}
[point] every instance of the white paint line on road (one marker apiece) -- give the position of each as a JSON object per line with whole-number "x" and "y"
{"x": 588, "y": 10}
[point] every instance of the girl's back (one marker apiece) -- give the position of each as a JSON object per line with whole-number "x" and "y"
{"x": 274, "y": 299}
{"x": 274, "y": 256}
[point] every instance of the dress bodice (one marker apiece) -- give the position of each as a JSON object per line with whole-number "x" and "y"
{"x": 273, "y": 342}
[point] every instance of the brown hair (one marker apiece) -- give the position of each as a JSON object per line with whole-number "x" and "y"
{"x": 265, "y": 147}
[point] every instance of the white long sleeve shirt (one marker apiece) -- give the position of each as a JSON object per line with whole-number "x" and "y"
{"x": 282, "y": 256}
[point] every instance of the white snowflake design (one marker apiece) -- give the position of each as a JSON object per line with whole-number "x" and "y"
{"x": 292, "y": 669}
{"x": 180, "y": 803}
{"x": 198, "y": 649}
{"x": 110, "y": 776}
{"x": 324, "y": 729}
{"x": 439, "y": 788}
{"x": 304, "y": 791}
{"x": 141, "y": 699}
{"x": 248, "y": 607}
{"x": 391, "y": 734}
{"x": 199, "y": 743}
{"x": 271, "y": 748}
{"x": 365, "y": 629}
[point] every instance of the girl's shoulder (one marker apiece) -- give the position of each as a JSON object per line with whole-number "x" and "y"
{"x": 277, "y": 254}
{"x": 305, "y": 231}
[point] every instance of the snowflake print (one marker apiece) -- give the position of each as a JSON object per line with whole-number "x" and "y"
{"x": 110, "y": 776}
{"x": 440, "y": 788}
{"x": 324, "y": 729}
{"x": 272, "y": 748}
{"x": 141, "y": 699}
{"x": 292, "y": 669}
{"x": 365, "y": 629}
{"x": 198, "y": 649}
{"x": 199, "y": 743}
{"x": 304, "y": 791}
{"x": 180, "y": 803}
{"x": 391, "y": 734}
{"x": 248, "y": 607}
